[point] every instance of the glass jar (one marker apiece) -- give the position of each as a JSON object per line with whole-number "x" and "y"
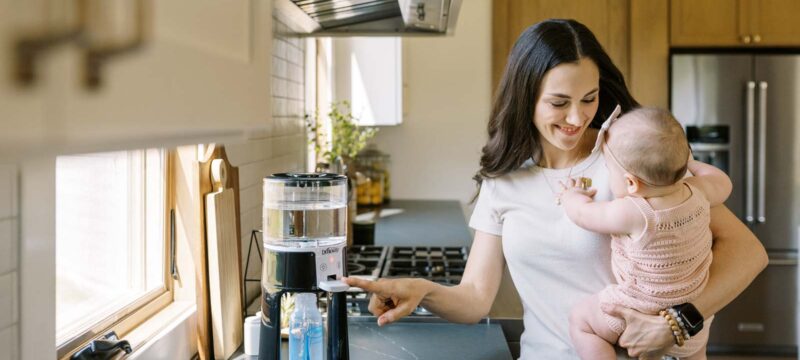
{"x": 370, "y": 187}
{"x": 374, "y": 164}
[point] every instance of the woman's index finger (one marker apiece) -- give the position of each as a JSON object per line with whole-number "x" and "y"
{"x": 364, "y": 284}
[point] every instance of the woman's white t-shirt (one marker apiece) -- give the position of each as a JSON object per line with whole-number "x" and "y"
{"x": 553, "y": 262}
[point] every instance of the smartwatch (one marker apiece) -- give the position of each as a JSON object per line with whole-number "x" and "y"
{"x": 691, "y": 317}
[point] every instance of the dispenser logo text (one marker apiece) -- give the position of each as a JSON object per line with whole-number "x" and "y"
{"x": 329, "y": 251}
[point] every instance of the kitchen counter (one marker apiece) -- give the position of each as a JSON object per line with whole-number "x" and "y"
{"x": 418, "y": 340}
{"x": 423, "y": 223}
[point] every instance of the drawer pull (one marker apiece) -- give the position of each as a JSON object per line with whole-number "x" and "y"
{"x": 750, "y": 327}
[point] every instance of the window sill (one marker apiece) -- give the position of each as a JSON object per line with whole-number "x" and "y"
{"x": 167, "y": 335}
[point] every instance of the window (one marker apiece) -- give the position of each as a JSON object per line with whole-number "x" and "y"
{"x": 111, "y": 243}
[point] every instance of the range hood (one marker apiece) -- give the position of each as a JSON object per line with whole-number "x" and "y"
{"x": 371, "y": 17}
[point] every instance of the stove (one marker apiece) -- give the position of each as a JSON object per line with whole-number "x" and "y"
{"x": 366, "y": 261}
{"x": 443, "y": 265}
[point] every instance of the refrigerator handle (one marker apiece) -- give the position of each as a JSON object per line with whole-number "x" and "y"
{"x": 751, "y": 86}
{"x": 762, "y": 151}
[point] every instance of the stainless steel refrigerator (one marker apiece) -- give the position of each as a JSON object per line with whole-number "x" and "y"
{"x": 741, "y": 113}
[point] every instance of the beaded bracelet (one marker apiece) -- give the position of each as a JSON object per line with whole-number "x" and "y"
{"x": 675, "y": 316}
{"x": 677, "y": 331}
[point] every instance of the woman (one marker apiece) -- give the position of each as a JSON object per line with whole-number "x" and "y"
{"x": 558, "y": 87}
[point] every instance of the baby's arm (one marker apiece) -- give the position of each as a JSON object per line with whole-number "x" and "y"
{"x": 713, "y": 182}
{"x": 619, "y": 216}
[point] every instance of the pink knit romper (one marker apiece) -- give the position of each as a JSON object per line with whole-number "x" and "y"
{"x": 666, "y": 266}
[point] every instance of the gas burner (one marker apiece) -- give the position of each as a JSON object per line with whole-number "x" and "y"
{"x": 355, "y": 268}
{"x": 366, "y": 260}
{"x": 444, "y": 265}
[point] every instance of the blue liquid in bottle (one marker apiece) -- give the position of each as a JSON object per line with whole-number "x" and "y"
{"x": 305, "y": 329}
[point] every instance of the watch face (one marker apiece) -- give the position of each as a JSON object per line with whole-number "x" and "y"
{"x": 691, "y": 322}
{"x": 691, "y": 317}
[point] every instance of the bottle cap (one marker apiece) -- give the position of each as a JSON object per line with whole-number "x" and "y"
{"x": 306, "y": 299}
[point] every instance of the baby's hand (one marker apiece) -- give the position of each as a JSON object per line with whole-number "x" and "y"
{"x": 577, "y": 190}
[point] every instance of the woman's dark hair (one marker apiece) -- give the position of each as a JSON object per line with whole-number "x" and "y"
{"x": 541, "y": 47}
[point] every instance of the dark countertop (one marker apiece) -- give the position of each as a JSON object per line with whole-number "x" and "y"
{"x": 423, "y": 223}
{"x": 414, "y": 340}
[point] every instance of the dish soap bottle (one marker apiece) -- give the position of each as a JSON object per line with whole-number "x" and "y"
{"x": 305, "y": 329}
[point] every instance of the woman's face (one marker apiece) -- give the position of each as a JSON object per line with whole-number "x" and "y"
{"x": 567, "y": 103}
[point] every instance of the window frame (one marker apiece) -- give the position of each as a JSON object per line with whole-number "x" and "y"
{"x": 124, "y": 320}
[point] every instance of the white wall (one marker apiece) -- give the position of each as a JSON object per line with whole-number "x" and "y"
{"x": 284, "y": 147}
{"x": 436, "y": 150}
{"x": 9, "y": 278}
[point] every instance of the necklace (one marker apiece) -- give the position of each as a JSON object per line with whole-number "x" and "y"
{"x": 557, "y": 194}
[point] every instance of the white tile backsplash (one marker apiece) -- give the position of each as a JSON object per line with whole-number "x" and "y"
{"x": 9, "y": 311}
{"x": 284, "y": 148}
{"x": 8, "y": 245}
{"x": 9, "y": 343}
{"x": 8, "y": 191}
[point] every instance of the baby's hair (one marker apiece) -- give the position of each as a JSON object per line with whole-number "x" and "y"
{"x": 651, "y": 144}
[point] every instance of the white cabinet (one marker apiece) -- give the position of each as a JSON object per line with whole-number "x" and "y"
{"x": 202, "y": 73}
{"x": 368, "y": 72}
{"x": 22, "y": 110}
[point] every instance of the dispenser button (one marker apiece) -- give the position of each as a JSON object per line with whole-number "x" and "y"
{"x": 334, "y": 286}
{"x": 323, "y": 267}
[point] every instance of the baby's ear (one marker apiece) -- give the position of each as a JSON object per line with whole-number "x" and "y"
{"x": 632, "y": 183}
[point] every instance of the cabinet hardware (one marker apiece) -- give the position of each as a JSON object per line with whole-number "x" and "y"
{"x": 28, "y": 49}
{"x": 756, "y": 39}
{"x": 762, "y": 152}
{"x": 97, "y": 54}
{"x": 746, "y": 39}
{"x": 751, "y": 155}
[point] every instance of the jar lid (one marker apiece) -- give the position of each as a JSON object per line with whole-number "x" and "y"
{"x": 307, "y": 179}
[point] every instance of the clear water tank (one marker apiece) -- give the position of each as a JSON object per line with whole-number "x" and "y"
{"x": 304, "y": 210}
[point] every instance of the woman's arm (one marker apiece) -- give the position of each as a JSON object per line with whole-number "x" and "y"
{"x": 467, "y": 302}
{"x": 735, "y": 247}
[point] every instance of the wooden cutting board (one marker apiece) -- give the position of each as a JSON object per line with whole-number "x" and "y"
{"x": 223, "y": 265}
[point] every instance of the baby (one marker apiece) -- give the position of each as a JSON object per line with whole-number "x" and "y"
{"x": 659, "y": 227}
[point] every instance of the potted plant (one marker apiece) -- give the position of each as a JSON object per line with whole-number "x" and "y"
{"x": 346, "y": 140}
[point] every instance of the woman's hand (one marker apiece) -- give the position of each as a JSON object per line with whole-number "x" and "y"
{"x": 392, "y": 299}
{"x": 645, "y": 336}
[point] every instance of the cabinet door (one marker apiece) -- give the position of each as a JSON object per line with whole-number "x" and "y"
{"x": 22, "y": 107}
{"x": 202, "y": 75}
{"x": 608, "y": 20}
{"x": 774, "y": 22}
{"x": 369, "y": 73}
{"x": 708, "y": 22}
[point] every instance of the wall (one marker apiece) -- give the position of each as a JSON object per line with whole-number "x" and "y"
{"x": 9, "y": 244}
{"x": 282, "y": 149}
{"x": 436, "y": 150}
